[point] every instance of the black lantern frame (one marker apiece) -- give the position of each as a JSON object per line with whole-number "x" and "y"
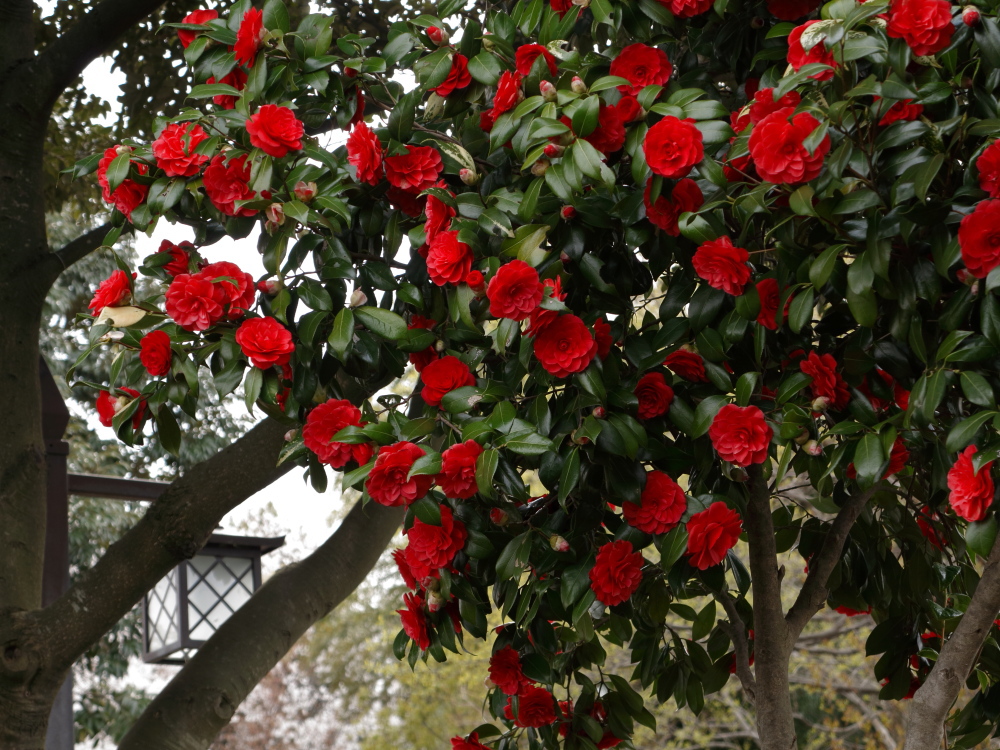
{"x": 188, "y": 605}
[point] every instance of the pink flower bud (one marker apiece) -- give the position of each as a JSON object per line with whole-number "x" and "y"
{"x": 275, "y": 214}
{"x": 756, "y": 22}
{"x": 468, "y": 176}
{"x": 437, "y": 35}
{"x": 548, "y": 91}
{"x": 821, "y": 404}
{"x": 554, "y": 151}
{"x": 291, "y": 435}
{"x": 813, "y": 448}
{"x": 358, "y": 298}
{"x": 434, "y": 601}
{"x": 305, "y": 191}
{"x": 970, "y": 15}
{"x": 439, "y": 346}
{"x": 803, "y": 437}
{"x": 499, "y": 517}
{"x": 564, "y": 257}
{"x": 567, "y": 212}
{"x": 430, "y": 583}
{"x": 577, "y": 86}
{"x": 599, "y": 412}
{"x": 558, "y": 544}
{"x": 268, "y": 286}
{"x": 540, "y": 167}
{"x": 476, "y": 282}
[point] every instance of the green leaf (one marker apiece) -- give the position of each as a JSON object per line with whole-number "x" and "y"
{"x": 384, "y": 323}
{"x": 869, "y": 457}
{"x": 801, "y": 310}
{"x": 118, "y": 170}
{"x": 342, "y": 334}
{"x": 745, "y": 386}
{"x": 981, "y": 535}
{"x": 570, "y": 474}
{"x": 485, "y": 68}
{"x": 801, "y": 201}
{"x": 822, "y": 267}
{"x": 965, "y": 431}
{"x": 429, "y": 463}
{"x": 791, "y": 385}
{"x": 925, "y": 175}
{"x": 514, "y": 556}
{"x": 705, "y": 412}
{"x": 358, "y": 475}
{"x": 252, "y": 386}
{"x": 486, "y": 467}
{"x": 528, "y": 443}
{"x": 673, "y": 546}
{"x": 977, "y": 389}
{"x": 168, "y": 430}
{"x": 863, "y": 307}
{"x": 857, "y": 201}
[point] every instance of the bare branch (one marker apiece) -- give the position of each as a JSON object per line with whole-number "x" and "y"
{"x": 738, "y": 635}
{"x": 202, "y": 698}
{"x": 931, "y": 703}
{"x": 173, "y": 529}
{"x": 813, "y": 594}
{"x": 78, "y": 249}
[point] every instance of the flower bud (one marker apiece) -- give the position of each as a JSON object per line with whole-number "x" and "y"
{"x": 554, "y": 151}
{"x": 275, "y": 214}
{"x": 738, "y": 474}
{"x": 305, "y": 191}
{"x": 970, "y": 15}
{"x": 291, "y": 435}
{"x": 548, "y": 91}
{"x": 438, "y": 36}
{"x": 540, "y": 167}
{"x": 756, "y": 22}
{"x": 430, "y": 583}
{"x": 468, "y": 176}
{"x": 967, "y": 82}
{"x": 878, "y": 23}
{"x": 350, "y": 72}
{"x": 577, "y": 86}
{"x": 434, "y": 601}
{"x": 113, "y": 336}
{"x": 582, "y": 3}
{"x": 564, "y": 257}
{"x": 599, "y": 412}
{"x": 813, "y": 448}
{"x": 122, "y": 150}
{"x": 821, "y": 404}
{"x": 567, "y": 212}
{"x": 499, "y": 517}
{"x": 558, "y": 544}
{"x": 803, "y": 437}
{"x": 581, "y": 440}
{"x": 268, "y": 286}
{"x": 358, "y": 298}
{"x": 488, "y": 44}
{"x": 476, "y": 282}
{"x": 439, "y": 346}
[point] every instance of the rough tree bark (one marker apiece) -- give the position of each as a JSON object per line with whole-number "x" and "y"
{"x": 932, "y": 702}
{"x": 202, "y": 698}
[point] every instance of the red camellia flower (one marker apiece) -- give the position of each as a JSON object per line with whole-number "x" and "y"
{"x": 562, "y": 7}
{"x": 711, "y": 534}
{"x": 154, "y": 352}
{"x": 685, "y": 196}
{"x": 265, "y": 342}
{"x": 508, "y": 93}
{"x": 629, "y": 109}
{"x": 248, "y": 37}
{"x": 740, "y": 435}
{"x": 797, "y": 55}
{"x": 174, "y": 149}
{"x": 540, "y": 317}
{"x": 227, "y": 182}
{"x": 468, "y": 743}
{"x": 672, "y": 147}
{"x": 129, "y": 194}
{"x": 458, "y": 77}
{"x": 609, "y": 135}
{"x": 194, "y": 302}
{"x": 688, "y": 364}
{"x": 988, "y": 166}
{"x": 777, "y": 150}
{"x": 900, "y": 111}
{"x": 399, "y": 557}
{"x": 506, "y": 673}
{"x": 770, "y": 299}
{"x": 364, "y": 153}
{"x": 443, "y": 376}
{"x": 237, "y": 78}
{"x": 971, "y": 491}
{"x": 325, "y": 421}
{"x": 565, "y": 346}
{"x": 439, "y": 215}
{"x": 414, "y": 171}
{"x": 928, "y": 522}
{"x": 421, "y": 359}
{"x": 791, "y": 10}
{"x": 181, "y": 254}
{"x": 827, "y": 382}
{"x": 925, "y": 25}
{"x": 111, "y": 291}
{"x": 979, "y": 238}
{"x": 535, "y": 707}
{"x": 414, "y": 621}
{"x": 642, "y": 66}
{"x": 448, "y": 260}
{"x": 431, "y": 547}
{"x": 617, "y": 572}
{"x": 387, "y": 483}
{"x": 602, "y": 335}
{"x": 514, "y": 291}
{"x": 654, "y": 395}
{"x": 661, "y": 507}
{"x": 108, "y": 406}
{"x": 458, "y": 470}
{"x": 275, "y": 130}
{"x": 526, "y": 55}
{"x": 236, "y": 287}
{"x": 763, "y": 103}
{"x": 722, "y": 265}
{"x": 687, "y": 8}
{"x": 199, "y": 16}
{"x": 898, "y": 457}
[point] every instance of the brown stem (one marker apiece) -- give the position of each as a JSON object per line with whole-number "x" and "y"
{"x": 738, "y": 635}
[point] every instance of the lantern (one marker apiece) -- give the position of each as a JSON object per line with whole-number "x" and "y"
{"x": 187, "y": 606}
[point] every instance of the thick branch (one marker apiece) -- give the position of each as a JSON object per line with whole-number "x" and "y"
{"x": 741, "y": 648}
{"x": 931, "y": 703}
{"x": 202, "y": 698}
{"x": 772, "y": 645}
{"x": 814, "y": 593}
{"x": 63, "y": 60}
{"x": 78, "y": 249}
{"x": 173, "y": 529}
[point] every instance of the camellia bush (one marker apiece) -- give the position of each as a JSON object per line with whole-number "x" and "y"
{"x": 664, "y": 258}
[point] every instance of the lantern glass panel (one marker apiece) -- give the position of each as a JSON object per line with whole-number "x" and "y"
{"x": 162, "y": 613}
{"x": 217, "y": 587}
